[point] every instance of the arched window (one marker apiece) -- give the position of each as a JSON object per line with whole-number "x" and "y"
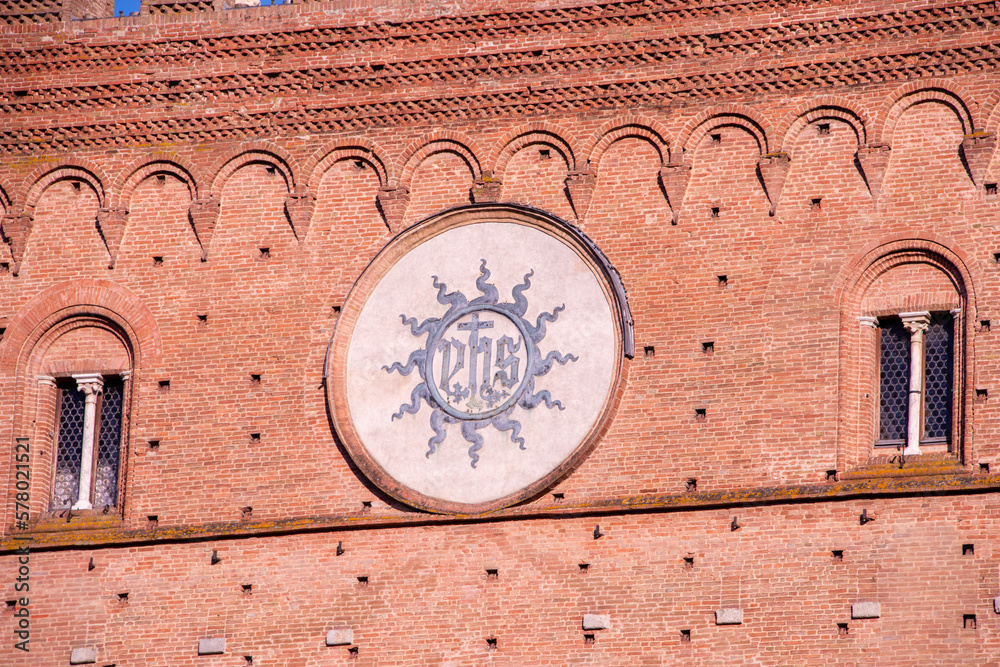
{"x": 82, "y": 371}
{"x": 903, "y": 388}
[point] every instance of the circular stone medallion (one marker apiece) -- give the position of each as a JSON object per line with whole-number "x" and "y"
{"x": 476, "y": 360}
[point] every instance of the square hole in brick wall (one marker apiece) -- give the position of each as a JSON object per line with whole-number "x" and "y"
{"x": 984, "y": 468}
{"x": 823, "y": 128}
{"x": 688, "y": 562}
{"x": 255, "y": 438}
{"x": 968, "y": 549}
{"x": 691, "y": 484}
{"x": 723, "y": 280}
{"x": 203, "y": 319}
{"x": 491, "y": 644}
{"x": 492, "y": 573}
{"x": 263, "y": 253}
{"x": 584, "y": 567}
{"x": 991, "y": 189}
{"x": 247, "y": 589}
{"x": 984, "y": 326}
{"x": 362, "y": 581}
{"x": 649, "y": 351}
{"x": 685, "y": 636}
{"x": 589, "y": 639}
{"x": 157, "y": 260}
{"x": 816, "y": 203}
{"x": 154, "y": 445}
{"x": 716, "y": 139}
{"x": 152, "y": 520}
{"x": 838, "y": 555}
{"x": 700, "y": 414}
{"x": 982, "y": 394}
{"x": 842, "y": 629}
{"x": 544, "y": 154}
{"x": 255, "y": 378}
{"x": 969, "y": 621}
{"x": 714, "y": 212}
{"x": 558, "y": 497}
{"x": 163, "y": 385}
{"x": 708, "y": 348}
{"x": 4, "y": 267}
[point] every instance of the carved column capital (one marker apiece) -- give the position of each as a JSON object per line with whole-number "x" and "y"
{"x": 90, "y": 384}
{"x": 916, "y": 321}
{"x": 868, "y": 321}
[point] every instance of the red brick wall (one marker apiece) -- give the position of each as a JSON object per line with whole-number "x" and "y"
{"x": 341, "y": 102}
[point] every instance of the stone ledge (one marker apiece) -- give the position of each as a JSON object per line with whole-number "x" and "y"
{"x": 650, "y": 503}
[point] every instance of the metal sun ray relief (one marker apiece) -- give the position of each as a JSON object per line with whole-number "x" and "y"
{"x": 479, "y": 363}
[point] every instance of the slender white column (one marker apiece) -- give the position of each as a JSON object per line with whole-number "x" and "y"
{"x": 91, "y": 385}
{"x": 916, "y": 324}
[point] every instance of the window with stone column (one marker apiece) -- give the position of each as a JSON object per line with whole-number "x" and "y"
{"x": 916, "y": 377}
{"x": 80, "y": 397}
{"x": 88, "y": 437}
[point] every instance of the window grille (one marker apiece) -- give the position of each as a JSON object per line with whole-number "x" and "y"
{"x": 938, "y": 362}
{"x": 67, "y": 480}
{"x": 895, "y": 382}
{"x": 109, "y": 446}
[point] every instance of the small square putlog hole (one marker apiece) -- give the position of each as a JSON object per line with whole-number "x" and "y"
{"x": 838, "y": 555}
{"x": 984, "y": 468}
{"x": 263, "y": 253}
{"x": 723, "y": 280}
{"x": 969, "y": 621}
{"x": 491, "y": 644}
{"x": 823, "y": 128}
{"x": 708, "y": 348}
{"x": 362, "y": 581}
{"x": 842, "y": 629}
{"x": 255, "y": 378}
{"x": 492, "y": 573}
{"x": 831, "y": 475}
{"x": 255, "y": 438}
{"x": 700, "y": 414}
{"x": 588, "y": 639}
{"x": 649, "y": 351}
{"x": 689, "y": 562}
{"x": 968, "y": 549}
{"x": 714, "y": 212}
{"x": 685, "y": 636}
{"x": 154, "y": 445}
{"x": 716, "y": 139}
{"x": 982, "y": 394}
{"x": 584, "y": 567}
{"x": 691, "y": 484}
{"x": 991, "y": 189}
{"x": 816, "y": 203}
{"x": 203, "y": 318}
{"x": 544, "y": 154}
{"x": 163, "y": 385}
{"x": 157, "y": 260}
{"x": 247, "y": 589}
{"x": 558, "y": 497}
{"x": 984, "y": 325}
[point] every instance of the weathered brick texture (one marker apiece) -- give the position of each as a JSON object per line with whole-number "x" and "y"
{"x": 210, "y": 182}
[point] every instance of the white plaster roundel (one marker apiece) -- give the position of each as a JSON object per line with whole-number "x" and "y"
{"x": 475, "y": 363}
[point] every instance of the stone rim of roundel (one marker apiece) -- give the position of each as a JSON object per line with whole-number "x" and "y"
{"x": 335, "y": 366}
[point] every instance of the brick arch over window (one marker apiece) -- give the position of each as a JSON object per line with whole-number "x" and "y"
{"x": 253, "y": 153}
{"x": 65, "y": 170}
{"x": 634, "y": 127}
{"x": 944, "y": 284}
{"x": 160, "y": 163}
{"x": 827, "y": 108}
{"x": 351, "y": 148}
{"x": 41, "y": 350}
{"x": 528, "y": 135}
{"x": 922, "y": 92}
{"x": 440, "y": 142}
{"x": 732, "y": 115}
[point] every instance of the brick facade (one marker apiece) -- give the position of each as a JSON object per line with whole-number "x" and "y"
{"x": 189, "y": 195}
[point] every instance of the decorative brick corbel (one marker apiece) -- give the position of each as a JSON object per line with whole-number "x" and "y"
{"x": 773, "y": 169}
{"x": 16, "y": 227}
{"x": 204, "y": 214}
{"x": 111, "y": 223}
{"x": 874, "y": 160}
{"x": 299, "y": 206}
{"x": 486, "y": 189}
{"x": 674, "y": 178}
{"x": 392, "y": 203}
{"x": 580, "y": 188}
{"x": 976, "y": 151}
